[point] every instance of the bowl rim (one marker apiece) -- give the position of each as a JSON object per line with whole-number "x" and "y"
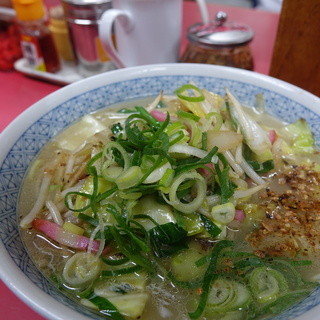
{"x": 10, "y": 274}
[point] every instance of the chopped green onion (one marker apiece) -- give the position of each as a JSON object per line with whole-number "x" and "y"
{"x": 210, "y": 226}
{"x": 267, "y": 284}
{"x": 261, "y": 167}
{"x": 117, "y": 272}
{"x": 145, "y": 216}
{"x": 196, "y": 163}
{"x": 114, "y": 262}
{"x": 249, "y": 262}
{"x": 182, "y": 93}
{"x": 130, "y": 250}
{"x": 204, "y": 141}
{"x": 184, "y": 284}
{"x": 94, "y": 222}
{"x": 187, "y": 115}
{"x": 209, "y": 277}
{"x": 116, "y": 128}
{"x": 126, "y": 110}
{"x": 218, "y": 120}
{"x": 227, "y": 189}
{"x": 199, "y": 185}
{"x": 106, "y": 307}
{"x": 129, "y": 178}
{"x": 147, "y": 117}
{"x": 167, "y": 239}
{"x": 108, "y": 169}
{"x": 223, "y": 213}
{"x": 166, "y": 180}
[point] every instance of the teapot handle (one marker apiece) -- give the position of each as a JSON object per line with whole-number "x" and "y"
{"x": 106, "y": 30}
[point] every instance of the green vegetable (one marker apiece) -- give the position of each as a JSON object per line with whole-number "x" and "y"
{"x": 193, "y": 99}
{"x": 117, "y": 272}
{"x": 182, "y": 93}
{"x": 255, "y": 137}
{"x": 200, "y": 189}
{"x": 227, "y": 295}
{"x": 167, "y": 239}
{"x": 223, "y": 213}
{"x": 222, "y": 171}
{"x": 300, "y": 136}
{"x": 115, "y": 160}
{"x": 129, "y": 178}
{"x": 267, "y": 284}
{"x": 210, "y": 226}
{"x": 183, "y": 265}
{"x": 126, "y": 292}
{"x": 209, "y": 277}
{"x": 154, "y": 213}
{"x": 261, "y": 167}
{"x": 105, "y": 307}
{"x": 192, "y": 223}
{"x": 81, "y": 269}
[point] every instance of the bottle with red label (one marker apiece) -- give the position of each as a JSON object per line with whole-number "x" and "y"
{"x": 37, "y": 43}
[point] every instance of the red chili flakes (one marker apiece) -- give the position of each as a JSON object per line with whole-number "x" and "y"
{"x": 10, "y": 49}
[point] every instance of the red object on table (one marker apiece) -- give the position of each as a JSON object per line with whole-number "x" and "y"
{"x": 18, "y": 92}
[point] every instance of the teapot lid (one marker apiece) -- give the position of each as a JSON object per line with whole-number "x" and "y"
{"x": 220, "y": 32}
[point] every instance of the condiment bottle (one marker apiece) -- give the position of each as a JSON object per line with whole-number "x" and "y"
{"x": 60, "y": 32}
{"x": 220, "y": 42}
{"x": 10, "y": 49}
{"x": 83, "y": 17}
{"x": 37, "y": 43}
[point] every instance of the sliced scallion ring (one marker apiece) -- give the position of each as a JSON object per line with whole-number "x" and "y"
{"x": 223, "y": 213}
{"x": 182, "y": 93}
{"x": 81, "y": 269}
{"x": 109, "y": 169}
{"x": 200, "y": 187}
{"x": 129, "y": 178}
{"x": 267, "y": 284}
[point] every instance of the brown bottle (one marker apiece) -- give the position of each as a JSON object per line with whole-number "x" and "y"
{"x": 37, "y": 43}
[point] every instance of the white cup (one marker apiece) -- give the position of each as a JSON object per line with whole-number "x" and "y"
{"x": 146, "y": 31}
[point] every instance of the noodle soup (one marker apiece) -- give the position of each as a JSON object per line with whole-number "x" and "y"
{"x": 185, "y": 207}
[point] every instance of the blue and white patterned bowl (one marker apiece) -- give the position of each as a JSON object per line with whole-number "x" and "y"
{"x": 24, "y": 138}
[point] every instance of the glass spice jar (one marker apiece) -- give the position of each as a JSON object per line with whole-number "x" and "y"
{"x": 220, "y": 42}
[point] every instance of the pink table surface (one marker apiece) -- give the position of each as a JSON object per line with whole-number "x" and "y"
{"x": 18, "y": 92}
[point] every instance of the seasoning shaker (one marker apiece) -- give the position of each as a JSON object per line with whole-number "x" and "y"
{"x": 220, "y": 42}
{"x": 60, "y": 32}
{"x": 83, "y": 17}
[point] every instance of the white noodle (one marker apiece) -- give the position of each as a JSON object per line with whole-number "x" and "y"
{"x": 234, "y": 165}
{"x": 54, "y": 212}
{"x": 99, "y": 227}
{"x": 25, "y": 222}
{"x": 192, "y": 151}
{"x": 251, "y": 173}
{"x": 154, "y": 103}
{"x": 75, "y": 188}
{"x": 118, "y": 115}
{"x": 70, "y": 165}
{"x": 248, "y": 192}
{"x": 213, "y": 200}
{"x": 238, "y": 154}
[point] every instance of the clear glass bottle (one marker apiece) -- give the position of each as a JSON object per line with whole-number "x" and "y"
{"x": 220, "y": 42}
{"x": 37, "y": 43}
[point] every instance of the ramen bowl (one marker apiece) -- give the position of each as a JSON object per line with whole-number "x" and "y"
{"x": 22, "y": 140}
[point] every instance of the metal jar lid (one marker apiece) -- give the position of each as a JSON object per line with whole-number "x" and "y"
{"x": 220, "y": 32}
{"x": 85, "y": 11}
